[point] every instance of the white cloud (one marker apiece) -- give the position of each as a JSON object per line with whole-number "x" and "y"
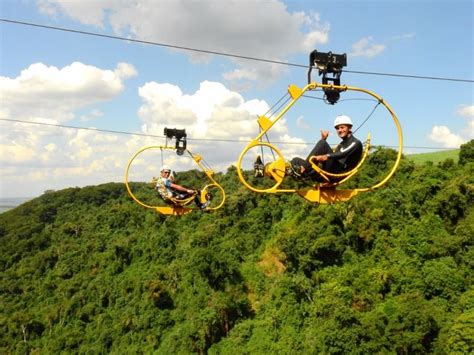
{"x": 259, "y": 75}
{"x": 301, "y": 123}
{"x": 12, "y": 153}
{"x": 212, "y": 112}
{"x": 366, "y": 48}
{"x": 124, "y": 71}
{"x": 92, "y": 115}
{"x": 87, "y": 12}
{"x": 55, "y": 158}
{"x": 467, "y": 112}
{"x": 271, "y": 32}
{"x": 164, "y": 105}
{"x": 49, "y": 152}
{"x": 50, "y": 156}
{"x": 48, "y": 92}
{"x": 443, "y": 136}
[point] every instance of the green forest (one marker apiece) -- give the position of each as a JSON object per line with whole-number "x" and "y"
{"x": 86, "y": 270}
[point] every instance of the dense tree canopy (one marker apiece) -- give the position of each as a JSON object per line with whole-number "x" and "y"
{"x": 87, "y": 270}
{"x": 466, "y": 153}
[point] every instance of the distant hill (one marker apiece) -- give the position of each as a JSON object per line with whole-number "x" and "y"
{"x": 7, "y": 203}
{"x": 434, "y": 157}
{"x": 86, "y": 270}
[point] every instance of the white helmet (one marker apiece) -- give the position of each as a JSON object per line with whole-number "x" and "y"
{"x": 342, "y": 119}
{"x": 165, "y": 167}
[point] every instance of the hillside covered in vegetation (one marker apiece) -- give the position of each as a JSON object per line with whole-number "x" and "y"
{"x": 87, "y": 270}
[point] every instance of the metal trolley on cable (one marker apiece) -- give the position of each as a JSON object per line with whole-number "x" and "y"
{"x": 330, "y": 67}
{"x": 211, "y": 196}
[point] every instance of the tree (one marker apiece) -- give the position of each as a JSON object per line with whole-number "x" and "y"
{"x": 466, "y": 154}
{"x": 461, "y": 334}
{"x": 87, "y": 270}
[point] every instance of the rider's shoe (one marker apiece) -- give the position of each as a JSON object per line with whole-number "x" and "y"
{"x": 258, "y": 167}
{"x": 205, "y": 205}
{"x": 207, "y": 202}
{"x": 289, "y": 170}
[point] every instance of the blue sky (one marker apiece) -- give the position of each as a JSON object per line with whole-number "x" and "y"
{"x": 56, "y": 77}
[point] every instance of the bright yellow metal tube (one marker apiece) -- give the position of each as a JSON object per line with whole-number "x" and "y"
{"x": 315, "y": 194}
{"x": 176, "y": 210}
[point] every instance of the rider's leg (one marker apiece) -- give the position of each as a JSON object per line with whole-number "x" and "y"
{"x": 321, "y": 147}
{"x": 258, "y": 167}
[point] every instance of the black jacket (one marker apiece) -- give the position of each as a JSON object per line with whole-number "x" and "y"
{"x": 348, "y": 153}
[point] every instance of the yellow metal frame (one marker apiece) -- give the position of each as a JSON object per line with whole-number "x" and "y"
{"x": 326, "y": 175}
{"x": 177, "y": 206}
{"x": 320, "y": 193}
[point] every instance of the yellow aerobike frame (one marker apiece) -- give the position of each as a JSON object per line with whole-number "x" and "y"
{"x": 325, "y": 192}
{"x": 177, "y": 206}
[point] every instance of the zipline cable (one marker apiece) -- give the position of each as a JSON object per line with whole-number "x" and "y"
{"x": 191, "y": 139}
{"x": 81, "y": 128}
{"x": 56, "y": 28}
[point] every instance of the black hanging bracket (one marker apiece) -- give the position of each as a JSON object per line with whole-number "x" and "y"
{"x": 328, "y": 63}
{"x": 180, "y": 136}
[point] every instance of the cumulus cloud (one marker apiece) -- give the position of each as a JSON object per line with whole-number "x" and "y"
{"x": 366, "y": 47}
{"x": 12, "y": 153}
{"x": 272, "y": 32}
{"x": 42, "y": 156}
{"x": 46, "y": 94}
{"x": 259, "y": 75}
{"x": 444, "y": 136}
{"x": 301, "y": 123}
{"x": 87, "y": 12}
{"x": 92, "y": 115}
{"x": 51, "y": 93}
{"x": 467, "y": 112}
{"x": 35, "y": 159}
{"x": 212, "y": 113}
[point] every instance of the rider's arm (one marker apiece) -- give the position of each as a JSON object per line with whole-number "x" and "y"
{"x": 180, "y": 188}
{"x": 345, "y": 150}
